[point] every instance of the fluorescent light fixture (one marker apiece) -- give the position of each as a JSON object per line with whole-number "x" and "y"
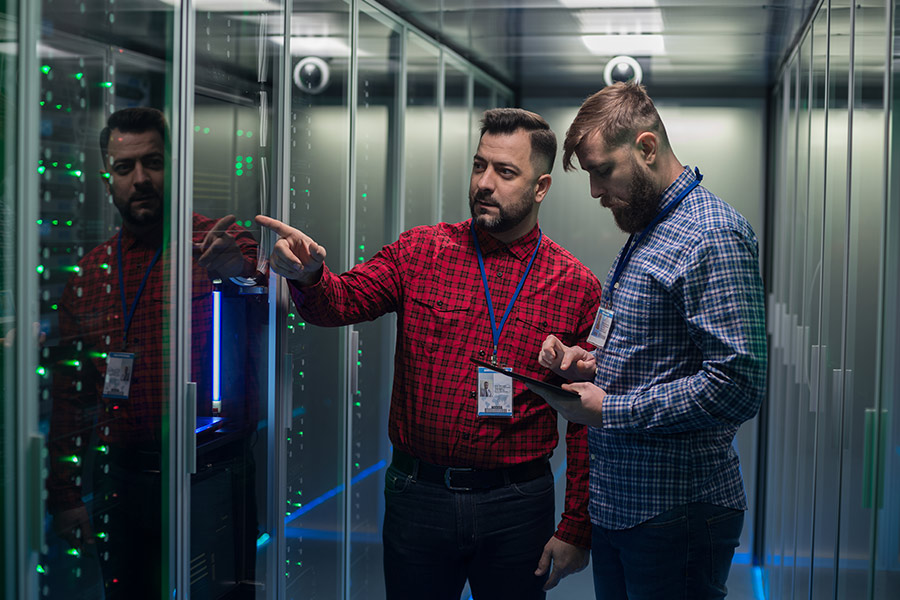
{"x": 632, "y": 45}
{"x": 240, "y": 6}
{"x": 609, "y": 3}
{"x": 620, "y": 21}
{"x": 325, "y": 47}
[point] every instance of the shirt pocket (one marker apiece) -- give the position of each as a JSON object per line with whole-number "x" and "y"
{"x": 437, "y": 318}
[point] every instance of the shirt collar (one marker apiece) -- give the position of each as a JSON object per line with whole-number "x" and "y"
{"x": 521, "y": 248}
{"x": 685, "y": 179}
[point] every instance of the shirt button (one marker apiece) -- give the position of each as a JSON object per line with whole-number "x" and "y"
{"x": 465, "y": 436}
{"x": 440, "y": 302}
{"x": 481, "y": 353}
{"x": 471, "y": 394}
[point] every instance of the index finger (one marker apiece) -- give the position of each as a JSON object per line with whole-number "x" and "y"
{"x": 224, "y": 223}
{"x": 276, "y": 226}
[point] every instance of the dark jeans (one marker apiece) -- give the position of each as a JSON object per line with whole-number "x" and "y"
{"x": 435, "y": 539}
{"x": 683, "y": 554}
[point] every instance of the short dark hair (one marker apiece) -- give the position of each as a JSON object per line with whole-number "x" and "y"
{"x": 509, "y": 120}
{"x": 133, "y": 120}
{"x": 619, "y": 112}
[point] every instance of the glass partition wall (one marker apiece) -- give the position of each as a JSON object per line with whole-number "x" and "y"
{"x": 832, "y": 467}
{"x": 177, "y": 429}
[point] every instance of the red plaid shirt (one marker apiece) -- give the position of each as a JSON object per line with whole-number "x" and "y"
{"x": 91, "y": 324}
{"x": 431, "y": 279}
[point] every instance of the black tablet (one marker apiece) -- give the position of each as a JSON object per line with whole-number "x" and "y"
{"x": 550, "y": 387}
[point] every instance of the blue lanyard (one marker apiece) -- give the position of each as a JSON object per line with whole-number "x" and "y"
{"x": 495, "y": 330}
{"x": 628, "y": 250}
{"x": 129, "y": 314}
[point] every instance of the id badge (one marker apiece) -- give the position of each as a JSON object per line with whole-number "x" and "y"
{"x": 600, "y": 330}
{"x": 119, "y": 370}
{"x": 495, "y": 393}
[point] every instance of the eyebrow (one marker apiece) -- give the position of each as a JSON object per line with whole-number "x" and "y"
{"x": 501, "y": 163}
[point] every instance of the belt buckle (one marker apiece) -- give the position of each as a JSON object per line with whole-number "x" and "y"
{"x": 447, "y": 474}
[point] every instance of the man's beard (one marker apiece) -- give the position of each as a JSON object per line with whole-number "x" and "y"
{"x": 507, "y": 217}
{"x": 642, "y": 205}
{"x": 143, "y": 218}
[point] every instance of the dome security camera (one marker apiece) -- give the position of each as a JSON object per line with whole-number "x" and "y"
{"x": 311, "y": 75}
{"x": 622, "y": 68}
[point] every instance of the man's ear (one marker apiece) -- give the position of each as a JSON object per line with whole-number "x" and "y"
{"x": 542, "y": 186}
{"x": 647, "y": 146}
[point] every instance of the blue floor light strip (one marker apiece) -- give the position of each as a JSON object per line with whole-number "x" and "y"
{"x": 335, "y": 491}
{"x": 759, "y": 590}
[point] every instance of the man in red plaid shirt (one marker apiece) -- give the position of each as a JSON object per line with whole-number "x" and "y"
{"x": 469, "y": 492}
{"x": 110, "y": 390}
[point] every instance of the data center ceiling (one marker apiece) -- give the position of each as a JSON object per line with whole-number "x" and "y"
{"x": 547, "y": 47}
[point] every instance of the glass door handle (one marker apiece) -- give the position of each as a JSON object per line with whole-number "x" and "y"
{"x": 35, "y": 500}
{"x": 190, "y": 415}
{"x": 874, "y": 442}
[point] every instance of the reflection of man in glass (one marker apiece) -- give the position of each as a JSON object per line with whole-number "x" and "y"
{"x": 119, "y": 302}
{"x": 486, "y": 391}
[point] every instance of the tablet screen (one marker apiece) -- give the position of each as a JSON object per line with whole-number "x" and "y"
{"x": 525, "y": 378}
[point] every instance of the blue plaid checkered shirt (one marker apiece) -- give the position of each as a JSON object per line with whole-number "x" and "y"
{"x": 683, "y": 367}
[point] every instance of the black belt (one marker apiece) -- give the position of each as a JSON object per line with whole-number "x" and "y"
{"x": 466, "y": 479}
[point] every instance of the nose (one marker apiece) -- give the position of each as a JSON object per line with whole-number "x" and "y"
{"x": 485, "y": 179}
{"x": 141, "y": 174}
{"x": 597, "y": 189}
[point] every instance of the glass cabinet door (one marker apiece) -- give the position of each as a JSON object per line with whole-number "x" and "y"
{"x": 237, "y": 85}
{"x": 422, "y": 130}
{"x": 319, "y": 172}
{"x": 456, "y": 151}
{"x": 105, "y": 296}
{"x": 376, "y": 223}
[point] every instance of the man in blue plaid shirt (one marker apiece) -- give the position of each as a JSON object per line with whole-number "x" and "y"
{"x": 680, "y": 361}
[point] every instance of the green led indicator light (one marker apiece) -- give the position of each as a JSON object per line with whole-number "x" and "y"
{"x": 301, "y": 374}
{"x": 75, "y": 173}
{"x": 79, "y": 75}
{"x": 103, "y": 449}
{"x": 104, "y": 266}
{"x": 357, "y": 404}
{"x": 307, "y": 191}
{"x": 362, "y": 247}
{"x": 72, "y": 459}
{"x": 68, "y": 165}
{"x": 249, "y": 159}
{"x": 58, "y": 106}
{"x": 40, "y": 221}
{"x": 42, "y": 102}
{"x": 41, "y": 371}
{"x": 238, "y": 157}
{"x": 73, "y": 363}
{"x": 356, "y": 465}
{"x": 249, "y": 134}
{"x": 45, "y": 69}
{"x": 196, "y": 128}
{"x": 299, "y": 493}
{"x": 55, "y": 164}
{"x": 364, "y": 194}
{"x": 248, "y": 223}
{"x": 69, "y": 223}
{"x": 206, "y": 130}
{"x": 240, "y": 132}
{"x": 106, "y": 84}
{"x": 358, "y": 363}
{"x": 238, "y": 165}
{"x": 54, "y": 307}
{"x": 40, "y": 569}
{"x": 40, "y": 269}
{"x": 239, "y": 172}
{"x": 102, "y": 535}
{"x": 41, "y": 169}
{"x": 73, "y": 552}
{"x": 361, "y": 259}
{"x": 55, "y": 221}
